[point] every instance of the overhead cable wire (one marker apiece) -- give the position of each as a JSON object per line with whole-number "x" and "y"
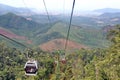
{"x": 68, "y": 32}
{"x": 17, "y": 43}
{"x": 14, "y": 41}
{"x": 63, "y": 7}
{"x": 29, "y": 11}
{"x": 47, "y": 13}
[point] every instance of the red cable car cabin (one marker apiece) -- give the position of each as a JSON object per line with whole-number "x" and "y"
{"x": 31, "y": 67}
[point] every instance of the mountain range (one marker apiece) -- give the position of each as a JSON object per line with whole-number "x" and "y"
{"x": 107, "y": 10}
{"x": 25, "y": 11}
{"x": 40, "y": 34}
{"x": 20, "y": 11}
{"x": 35, "y": 30}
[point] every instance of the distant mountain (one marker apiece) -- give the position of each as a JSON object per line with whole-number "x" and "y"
{"x": 107, "y": 10}
{"x": 110, "y": 18}
{"x": 21, "y": 11}
{"x": 83, "y": 35}
{"x": 77, "y": 20}
{"x": 82, "y": 31}
{"x": 5, "y": 9}
{"x": 111, "y": 15}
{"x": 11, "y": 20}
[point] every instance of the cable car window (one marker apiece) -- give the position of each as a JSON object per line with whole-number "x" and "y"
{"x": 30, "y": 69}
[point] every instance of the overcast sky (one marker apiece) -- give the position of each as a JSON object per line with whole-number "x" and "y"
{"x": 81, "y": 5}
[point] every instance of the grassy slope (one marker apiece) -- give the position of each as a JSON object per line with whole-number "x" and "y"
{"x": 16, "y": 37}
{"x": 88, "y": 36}
{"x": 10, "y": 43}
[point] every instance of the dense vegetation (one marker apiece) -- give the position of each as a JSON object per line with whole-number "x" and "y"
{"x": 95, "y": 64}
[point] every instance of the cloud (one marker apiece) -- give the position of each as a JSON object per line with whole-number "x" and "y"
{"x": 64, "y": 4}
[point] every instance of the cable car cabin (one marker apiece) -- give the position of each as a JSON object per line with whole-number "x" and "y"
{"x": 63, "y": 60}
{"x": 31, "y": 68}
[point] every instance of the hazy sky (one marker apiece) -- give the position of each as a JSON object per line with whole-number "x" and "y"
{"x": 82, "y": 5}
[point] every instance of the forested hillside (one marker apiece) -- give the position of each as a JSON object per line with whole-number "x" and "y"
{"x": 83, "y": 64}
{"x": 41, "y": 32}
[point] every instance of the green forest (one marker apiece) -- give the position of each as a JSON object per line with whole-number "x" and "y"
{"x": 83, "y": 64}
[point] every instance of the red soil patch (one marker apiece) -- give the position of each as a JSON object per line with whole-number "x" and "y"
{"x": 29, "y": 41}
{"x": 12, "y": 35}
{"x": 59, "y": 44}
